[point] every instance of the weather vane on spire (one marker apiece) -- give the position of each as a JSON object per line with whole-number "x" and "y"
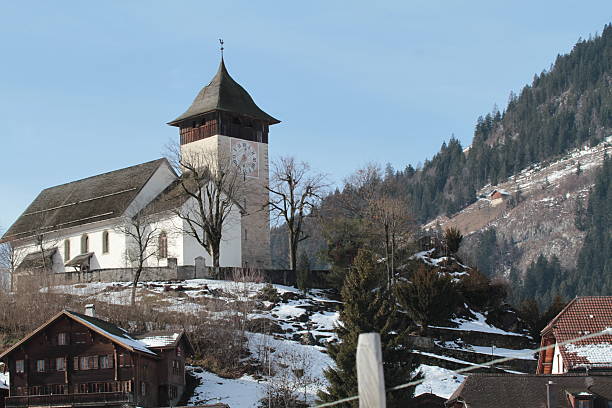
{"x": 221, "y": 42}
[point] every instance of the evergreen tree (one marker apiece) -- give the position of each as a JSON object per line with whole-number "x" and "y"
{"x": 369, "y": 307}
{"x": 453, "y": 238}
{"x": 593, "y": 274}
{"x": 429, "y": 297}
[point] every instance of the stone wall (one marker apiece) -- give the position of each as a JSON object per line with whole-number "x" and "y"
{"x": 170, "y": 273}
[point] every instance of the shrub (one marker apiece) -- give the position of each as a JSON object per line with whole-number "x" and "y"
{"x": 269, "y": 294}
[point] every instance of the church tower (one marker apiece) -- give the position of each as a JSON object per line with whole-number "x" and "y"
{"x": 225, "y": 121}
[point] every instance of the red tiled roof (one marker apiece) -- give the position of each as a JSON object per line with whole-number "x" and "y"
{"x": 583, "y": 316}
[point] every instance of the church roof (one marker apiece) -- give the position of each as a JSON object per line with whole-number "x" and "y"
{"x": 224, "y": 94}
{"x": 92, "y": 199}
{"x": 173, "y": 197}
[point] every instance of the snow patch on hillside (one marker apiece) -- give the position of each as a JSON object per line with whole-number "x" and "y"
{"x": 244, "y": 392}
{"x": 438, "y": 380}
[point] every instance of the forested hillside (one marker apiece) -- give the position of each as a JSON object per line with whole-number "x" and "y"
{"x": 546, "y": 278}
{"x": 564, "y": 107}
{"x": 567, "y": 106}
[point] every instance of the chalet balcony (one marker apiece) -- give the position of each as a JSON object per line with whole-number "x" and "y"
{"x": 70, "y": 400}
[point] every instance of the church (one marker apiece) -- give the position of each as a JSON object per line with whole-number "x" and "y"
{"x": 77, "y": 226}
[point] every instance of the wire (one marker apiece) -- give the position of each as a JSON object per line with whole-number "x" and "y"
{"x": 466, "y": 369}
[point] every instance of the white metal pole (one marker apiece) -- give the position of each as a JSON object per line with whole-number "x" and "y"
{"x": 370, "y": 377}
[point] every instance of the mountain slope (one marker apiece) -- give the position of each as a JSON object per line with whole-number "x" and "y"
{"x": 536, "y": 217}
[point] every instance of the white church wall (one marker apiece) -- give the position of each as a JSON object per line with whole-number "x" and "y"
{"x": 230, "y": 249}
{"x": 169, "y": 224}
{"x": 114, "y": 258}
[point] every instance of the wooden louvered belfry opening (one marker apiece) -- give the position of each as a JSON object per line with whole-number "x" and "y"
{"x": 226, "y": 124}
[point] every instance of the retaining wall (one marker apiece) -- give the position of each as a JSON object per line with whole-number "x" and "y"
{"x": 170, "y": 273}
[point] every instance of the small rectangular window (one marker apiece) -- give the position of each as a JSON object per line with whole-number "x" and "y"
{"x": 19, "y": 366}
{"x": 106, "y": 362}
{"x": 62, "y": 339}
{"x": 83, "y": 363}
{"x": 143, "y": 388}
{"x": 40, "y": 366}
{"x": 60, "y": 364}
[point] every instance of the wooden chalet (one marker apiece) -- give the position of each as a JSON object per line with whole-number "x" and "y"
{"x": 80, "y": 360}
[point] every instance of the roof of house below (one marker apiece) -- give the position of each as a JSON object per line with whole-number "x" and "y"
{"x": 528, "y": 391}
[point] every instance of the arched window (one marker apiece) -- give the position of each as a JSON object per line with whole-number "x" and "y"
{"x": 84, "y": 243}
{"x": 105, "y": 242}
{"x": 66, "y": 250}
{"x": 162, "y": 245}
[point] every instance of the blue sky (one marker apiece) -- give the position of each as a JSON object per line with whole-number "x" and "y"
{"x": 87, "y": 87}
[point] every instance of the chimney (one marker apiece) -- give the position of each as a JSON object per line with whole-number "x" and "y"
{"x": 551, "y": 395}
{"x": 90, "y": 310}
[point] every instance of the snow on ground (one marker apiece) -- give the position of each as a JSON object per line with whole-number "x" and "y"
{"x": 438, "y": 380}
{"x": 4, "y": 380}
{"x": 522, "y": 354}
{"x": 296, "y": 314}
{"x": 244, "y": 392}
{"x": 316, "y": 361}
{"x": 478, "y": 324}
{"x": 447, "y": 358}
{"x": 587, "y": 157}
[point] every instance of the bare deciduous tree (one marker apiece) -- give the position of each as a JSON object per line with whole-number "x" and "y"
{"x": 214, "y": 186}
{"x": 10, "y": 258}
{"x": 295, "y": 190}
{"x": 141, "y": 233}
{"x": 391, "y": 218}
{"x": 45, "y": 239}
{"x": 290, "y": 379}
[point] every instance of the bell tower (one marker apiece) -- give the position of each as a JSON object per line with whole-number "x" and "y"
{"x": 225, "y": 121}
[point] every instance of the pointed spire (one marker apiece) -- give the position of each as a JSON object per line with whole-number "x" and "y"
{"x": 224, "y": 94}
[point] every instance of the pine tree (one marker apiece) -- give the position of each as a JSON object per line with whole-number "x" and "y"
{"x": 429, "y": 297}
{"x": 453, "y": 238}
{"x": 369, "y": 307}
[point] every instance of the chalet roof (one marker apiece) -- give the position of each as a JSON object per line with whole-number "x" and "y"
{"x": 92, "y": 199}
{"x": 102, "y": 327}
{"x": 583, "y": 316}
{"x": 224, "y": 94}
{"x": 112, "y": 331}
{"x": 161, "y": 339}
{"x": 528, "y": 391}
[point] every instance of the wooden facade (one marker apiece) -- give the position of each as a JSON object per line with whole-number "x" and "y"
{"x": 72, "y": 361}
{"x": 223, "y": 123}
